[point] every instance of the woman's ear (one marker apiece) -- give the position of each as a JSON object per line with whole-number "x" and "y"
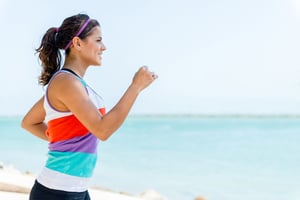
{"x": 76, "y": 42}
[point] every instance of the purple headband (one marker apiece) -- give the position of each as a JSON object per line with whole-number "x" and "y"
{"x": 78, "y": 33}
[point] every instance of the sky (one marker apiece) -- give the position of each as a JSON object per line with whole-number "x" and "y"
{"x": 212, "y": 57}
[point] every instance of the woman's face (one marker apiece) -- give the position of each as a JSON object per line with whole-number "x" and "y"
{"x": 93, "y": 47}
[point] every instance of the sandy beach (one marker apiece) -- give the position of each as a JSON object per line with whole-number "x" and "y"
{"x": 15, "y": 185}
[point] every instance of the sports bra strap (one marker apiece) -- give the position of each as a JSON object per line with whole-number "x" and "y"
{"x": 77, "y": 76}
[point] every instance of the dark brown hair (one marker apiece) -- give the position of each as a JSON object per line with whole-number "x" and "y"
{"x": 56, "y": 39}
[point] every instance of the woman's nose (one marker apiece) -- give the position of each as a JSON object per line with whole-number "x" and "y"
{"x": 103, "y": 47}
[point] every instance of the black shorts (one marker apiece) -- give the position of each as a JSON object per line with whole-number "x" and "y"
{"x": 40, "y": 192}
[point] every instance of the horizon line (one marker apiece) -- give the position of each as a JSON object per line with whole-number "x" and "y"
{"x": 204, "y": 115}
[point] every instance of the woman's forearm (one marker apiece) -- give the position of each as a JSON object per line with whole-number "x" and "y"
{"x": 115, "y": 117}
{"x": 39, "y": 130}
{"x": 33, "y": 121}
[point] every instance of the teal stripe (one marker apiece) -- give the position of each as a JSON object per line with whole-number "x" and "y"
{"x": 72, "y": 163}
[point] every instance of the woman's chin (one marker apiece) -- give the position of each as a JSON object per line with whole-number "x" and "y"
{"x": 97, "y": 64}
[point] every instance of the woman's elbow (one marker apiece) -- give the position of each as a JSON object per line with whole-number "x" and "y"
{"x": 103, "y": 135}
{"x": 24, "y": 124}
{"x": 103, "y": 139}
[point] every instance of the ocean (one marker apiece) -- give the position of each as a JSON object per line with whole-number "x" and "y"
{"x": 181, "y": 157}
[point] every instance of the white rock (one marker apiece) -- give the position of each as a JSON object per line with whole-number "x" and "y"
{"x": 152, "y": 195}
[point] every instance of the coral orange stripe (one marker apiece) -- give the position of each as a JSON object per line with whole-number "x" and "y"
{"x": 67, "y": 127}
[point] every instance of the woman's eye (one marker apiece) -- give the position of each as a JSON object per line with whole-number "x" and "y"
{"x": 99, "y": 40}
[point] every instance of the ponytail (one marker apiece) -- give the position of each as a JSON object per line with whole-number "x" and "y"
{"x": 49, "y": 55}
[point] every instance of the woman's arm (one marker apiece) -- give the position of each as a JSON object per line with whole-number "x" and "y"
{"x": 71, "y": 94}
{"x": 34, "y": 120}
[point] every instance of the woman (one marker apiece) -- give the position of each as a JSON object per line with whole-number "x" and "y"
{"x": 71, "y": 116}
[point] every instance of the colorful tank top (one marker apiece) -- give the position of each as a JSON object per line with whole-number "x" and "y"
{"x": 72, "y": 152}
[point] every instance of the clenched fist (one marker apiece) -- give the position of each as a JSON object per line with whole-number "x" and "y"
{"x": 143, "y": 78}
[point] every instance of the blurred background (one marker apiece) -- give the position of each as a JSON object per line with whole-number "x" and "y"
{"x": 212, "y": 57}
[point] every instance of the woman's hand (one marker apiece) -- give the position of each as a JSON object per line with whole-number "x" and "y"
{"x": 143, "y": 78}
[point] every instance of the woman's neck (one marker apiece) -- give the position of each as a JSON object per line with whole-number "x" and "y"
{"x": 76, "y": 66}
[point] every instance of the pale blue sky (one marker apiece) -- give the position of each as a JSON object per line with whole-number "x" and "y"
{"x": 211, "y": 56}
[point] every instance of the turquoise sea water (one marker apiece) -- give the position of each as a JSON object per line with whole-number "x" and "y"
{"x": 221, "y": 158}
